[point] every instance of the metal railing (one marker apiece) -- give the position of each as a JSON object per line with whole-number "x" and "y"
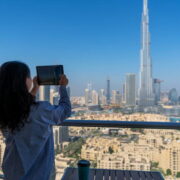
{"x": 122, "y": 124}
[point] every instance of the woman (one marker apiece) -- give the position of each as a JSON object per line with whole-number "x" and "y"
{"x": 27, "y": 124}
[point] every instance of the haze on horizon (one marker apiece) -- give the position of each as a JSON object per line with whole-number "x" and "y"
{"x": 94, "y": 40}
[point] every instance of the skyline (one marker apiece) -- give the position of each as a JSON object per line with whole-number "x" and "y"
{"x": 93, "y": 39}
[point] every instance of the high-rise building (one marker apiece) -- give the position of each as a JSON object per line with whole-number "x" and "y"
{"x": 103, "y": 100}
{"x": 130, "y": 89}
{"x": 95, "y": 99}
{"x": 44, "y": 93}
{"x": 47, "y": 93}
{"x": 56, "y": 135}
{"x": 113, "y": 100}
{"x": 64, "y": 133}
{"x": 173, "y": 96}
{"x": 108, "y": 93}
{"x": 101, "y": 94}
{"x": 56, "y": 98}
{"x": 52, "y": 92}
{"x": 116, "y": 97}
{"x": 88, "y": 94}
{"x": 146, "y": 94}
{"x": 124, "y": 93}
{"x": 61, "y": 134}
{"x": 89, "y": 86}
{"x": 41, "y": 93}
{"x": 86, "y": 97}
{"x": 102, "y": 97}
{"x": 157, "y": 90}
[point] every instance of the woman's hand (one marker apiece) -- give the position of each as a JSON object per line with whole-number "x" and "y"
{"x": 63, "y": 80}
{"x": 35, "y": 86}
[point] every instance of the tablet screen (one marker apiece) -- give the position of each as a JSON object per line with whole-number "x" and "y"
{"x": 49, "y": 75}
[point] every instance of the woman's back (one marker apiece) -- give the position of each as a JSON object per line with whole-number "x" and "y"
{"x": 29, "y": 153}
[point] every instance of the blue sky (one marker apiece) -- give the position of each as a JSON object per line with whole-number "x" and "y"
{"x": 93, "y": 39}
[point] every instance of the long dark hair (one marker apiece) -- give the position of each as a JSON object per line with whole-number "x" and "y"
{"x": 15, "y": 100}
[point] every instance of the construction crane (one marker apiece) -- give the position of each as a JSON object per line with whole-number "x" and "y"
{"x": 158, "y": 81}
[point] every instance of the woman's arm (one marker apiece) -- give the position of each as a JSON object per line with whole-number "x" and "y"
{"x": 54, "y": 115}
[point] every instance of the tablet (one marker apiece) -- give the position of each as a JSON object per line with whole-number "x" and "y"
{"x": 49, "y": 75}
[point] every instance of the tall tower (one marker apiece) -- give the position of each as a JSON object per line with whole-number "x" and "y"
{"x": 146, "y": 95}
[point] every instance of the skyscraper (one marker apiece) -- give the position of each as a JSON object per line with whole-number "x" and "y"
{"x": 102, "y": 97}
{"x": 95, "y": 100}
{"x": 157, "y": 90}
{"x": 41, "y": 93}
{"x": 86, "y": 97}
{"x": 47, "y": 93}
{"x": 44, "y": 93}
{"x": 173, "y": 96}
{"x": 108, "y": 94}
{"x": 61, "y": 134}
{"x": 124, "y": 93}
{"x": 101, "y": 94}
{"x": 146, "y": 95}
{"x": 130, "y": 90}
{"x": 56, "y": 98}
{"x": 52, "y": 92}
{"x": 116, "y": 97}
{"x": 88, "y": 94}
{"x": 56, "y": 136}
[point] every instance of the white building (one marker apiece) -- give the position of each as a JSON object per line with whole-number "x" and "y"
{"x": 95, "y": 100}
{"x": 116, "y": 97}
{"x": 61, "y": 134}
{"x": 102, "y": 97}
{"x": 44, "y": 93}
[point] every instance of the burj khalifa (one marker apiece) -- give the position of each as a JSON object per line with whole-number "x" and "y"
{"x": 146, "y": 94}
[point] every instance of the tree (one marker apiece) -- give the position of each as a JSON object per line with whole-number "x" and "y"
{"x": 94, "y": 164}
{"x": 111, "y": 150}
{"x": 168, "y": 172}
{"x": 74, "y": 149}
{"x": 154, "y": 165}
{"x": 138, "y": 130}
{"x": 178, "y": 174}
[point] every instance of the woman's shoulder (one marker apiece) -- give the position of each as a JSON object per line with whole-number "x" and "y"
{"x": 41, "y": 106}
